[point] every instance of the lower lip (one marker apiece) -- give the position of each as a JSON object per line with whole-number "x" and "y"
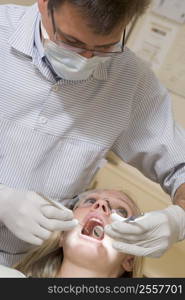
{"x": 86, "y": 237}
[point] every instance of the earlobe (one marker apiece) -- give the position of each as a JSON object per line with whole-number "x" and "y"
{"x": 128, "y": 262}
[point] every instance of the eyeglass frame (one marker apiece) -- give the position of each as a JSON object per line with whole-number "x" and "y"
{"x": 85, "y": 49}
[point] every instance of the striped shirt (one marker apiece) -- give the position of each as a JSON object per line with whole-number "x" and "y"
{"x": 55, "y": 133}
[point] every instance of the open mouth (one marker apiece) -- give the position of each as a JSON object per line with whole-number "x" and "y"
{"x": 94, "y": 228}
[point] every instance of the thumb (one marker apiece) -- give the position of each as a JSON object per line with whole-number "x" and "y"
{"x": 134, "y": 250}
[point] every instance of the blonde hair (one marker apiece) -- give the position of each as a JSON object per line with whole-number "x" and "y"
{"x": 45, "y": 261}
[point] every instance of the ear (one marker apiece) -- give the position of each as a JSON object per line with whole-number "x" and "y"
{"x": 128, "y": 262}
{"x": 42, "y": 5}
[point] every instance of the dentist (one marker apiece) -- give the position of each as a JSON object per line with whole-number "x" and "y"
{"x": 70, "y": 92}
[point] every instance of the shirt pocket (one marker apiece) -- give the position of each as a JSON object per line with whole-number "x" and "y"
{"x": 74, "y": 165}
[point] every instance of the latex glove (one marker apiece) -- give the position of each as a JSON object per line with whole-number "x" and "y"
{"x": 150, "y": 235}
{"x": 32, "y": 218}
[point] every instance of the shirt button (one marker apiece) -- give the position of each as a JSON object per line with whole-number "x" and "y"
{"x": 55, "y": 88}
{"x": 43, "y": 120}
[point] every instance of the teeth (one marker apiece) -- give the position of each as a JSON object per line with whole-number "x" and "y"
{"x": 98, "y": 231}
{"x": 96, "y": 220}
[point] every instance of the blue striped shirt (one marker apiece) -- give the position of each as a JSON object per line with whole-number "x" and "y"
{"x": 54, "y": 133}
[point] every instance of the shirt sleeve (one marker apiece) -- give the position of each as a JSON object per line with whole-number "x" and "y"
{"x": 154, "y": 143}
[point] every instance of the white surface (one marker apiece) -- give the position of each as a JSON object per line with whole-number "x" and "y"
{"x": 172, "y": 73}
{"x": 171, "y": 69}
{"x": 157, "y": 38}
{"x": 6, "y": 272}
{"x": 172, "y": 9}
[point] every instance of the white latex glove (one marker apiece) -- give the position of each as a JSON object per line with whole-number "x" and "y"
{"x": 150, "y": 235}
{"x": 32, "y": 218}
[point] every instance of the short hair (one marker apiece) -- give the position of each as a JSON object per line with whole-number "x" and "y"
{"x": 105, "y": 15}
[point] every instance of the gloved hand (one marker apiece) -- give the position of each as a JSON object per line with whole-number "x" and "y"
{"x": 31, "y": 217}
{"x": 150, "y": 235}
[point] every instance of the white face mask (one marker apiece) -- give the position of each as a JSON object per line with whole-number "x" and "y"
{"x": 68, "y": 64}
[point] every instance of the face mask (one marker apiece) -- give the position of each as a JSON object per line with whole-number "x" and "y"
{"x": 68, "y": 64}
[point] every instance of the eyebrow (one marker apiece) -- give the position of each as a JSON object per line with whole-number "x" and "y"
{"x": 78, "y": 41}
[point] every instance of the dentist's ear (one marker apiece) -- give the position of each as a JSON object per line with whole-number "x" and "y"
{"x": 128, "y": 262}
{"x": 42, "y": 5}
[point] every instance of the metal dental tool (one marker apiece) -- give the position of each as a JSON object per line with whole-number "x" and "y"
{"x": 57, "y": 204}
{"x": 98, "y": 231}
{"x": 67, "y": 204}
{"x": 116, "y": 217}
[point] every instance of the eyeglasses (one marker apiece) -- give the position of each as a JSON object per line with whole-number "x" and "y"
{"x": 87, "y": 201}
{"x": 106, "y": 51}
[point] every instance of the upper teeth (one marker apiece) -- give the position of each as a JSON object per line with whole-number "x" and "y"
{"x": 96, "y": 220}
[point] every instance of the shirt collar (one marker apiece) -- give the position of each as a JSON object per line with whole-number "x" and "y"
{"x": 27, "y": 35}
{"x": 38, "y": 40}
{"x": 23, "y": 37}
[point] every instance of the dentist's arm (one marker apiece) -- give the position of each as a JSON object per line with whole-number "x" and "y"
{"x": 30, "y": 217}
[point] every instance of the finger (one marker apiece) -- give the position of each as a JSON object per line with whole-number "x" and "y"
{"x": 112, "y": 233}
{"x": 133, "y": 249}
{"x": 52, "y": 212}
{"x": 42, "y": 233}
{"x": 66, "y": 225}
{"x": 128, "y": 228}
{"x": 31, "y": 239}
{"x": 36, "y": 241}
{"x": 127, "y": 238}
{"x": 52, "y": 224}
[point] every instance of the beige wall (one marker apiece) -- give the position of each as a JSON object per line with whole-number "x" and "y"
{"x": 20, "y": 2}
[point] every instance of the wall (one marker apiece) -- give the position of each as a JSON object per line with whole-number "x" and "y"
{"x": 178, "y": 101}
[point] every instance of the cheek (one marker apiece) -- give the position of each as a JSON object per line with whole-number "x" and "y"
{"x": 70, "y": 238}
{"x": 113, "y": 256}
{"x": 80, "y": 213}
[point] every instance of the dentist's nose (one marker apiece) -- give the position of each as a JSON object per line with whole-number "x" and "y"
{"x": 87, "y": 54}
{"x": 102, "y": 206}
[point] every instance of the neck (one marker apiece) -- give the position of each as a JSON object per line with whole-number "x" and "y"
{"x": 72, "y": 270}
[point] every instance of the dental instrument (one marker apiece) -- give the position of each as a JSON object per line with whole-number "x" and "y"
{"x": 116, "y": 217}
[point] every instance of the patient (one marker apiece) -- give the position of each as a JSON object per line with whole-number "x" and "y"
{"x": 85, "y": 251}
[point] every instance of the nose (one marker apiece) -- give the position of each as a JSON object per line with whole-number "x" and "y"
{"x": 87, "y": 54}
{"x": 101, "y": 205}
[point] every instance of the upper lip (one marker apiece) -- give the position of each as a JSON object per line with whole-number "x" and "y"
{"x": 96, "y": 216}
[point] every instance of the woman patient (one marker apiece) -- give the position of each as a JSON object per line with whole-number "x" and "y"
{"x": 85, "y": 251}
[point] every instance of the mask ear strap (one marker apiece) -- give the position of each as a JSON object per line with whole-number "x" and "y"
{"x": 53, "y": 21}
{"x": 44, "y": 32}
